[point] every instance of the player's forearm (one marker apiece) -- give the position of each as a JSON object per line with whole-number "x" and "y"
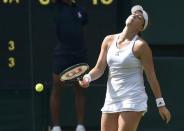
{"x": 156, "y": 89}
{"x": 154, "y": 85}
{"x": 96, "y": 73}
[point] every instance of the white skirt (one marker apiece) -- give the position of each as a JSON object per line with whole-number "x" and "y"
{"x": 124, "y": 105}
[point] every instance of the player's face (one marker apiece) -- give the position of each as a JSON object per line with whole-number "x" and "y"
{"x": 136, "y": 20}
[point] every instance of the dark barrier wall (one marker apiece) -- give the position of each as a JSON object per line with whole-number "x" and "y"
{"x": 27, "y": 36}
{"x": 14, "y": 44}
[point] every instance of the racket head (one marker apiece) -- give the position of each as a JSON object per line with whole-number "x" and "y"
{"x": 74, "y": 72}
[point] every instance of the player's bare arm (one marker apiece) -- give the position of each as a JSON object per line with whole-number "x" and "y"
{"x": 144, "y": 53}
{"x": 101, "y": 64}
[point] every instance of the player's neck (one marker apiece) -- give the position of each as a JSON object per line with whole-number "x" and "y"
{"x": 127, "y": 34}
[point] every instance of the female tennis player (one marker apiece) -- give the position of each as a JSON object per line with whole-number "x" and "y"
{"x": 127, "y": 56}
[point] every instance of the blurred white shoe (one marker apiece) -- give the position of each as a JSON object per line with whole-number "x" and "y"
{"x": 56, "y": 128}
{"x": 80, "y": 128}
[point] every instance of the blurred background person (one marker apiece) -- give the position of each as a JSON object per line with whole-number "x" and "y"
{"x": 70, "y": 49}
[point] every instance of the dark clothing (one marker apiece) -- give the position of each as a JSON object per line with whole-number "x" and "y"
{"x": 62, "y": 62}
{"x": 70, "y": 48}
{"x": 69, "y": 28}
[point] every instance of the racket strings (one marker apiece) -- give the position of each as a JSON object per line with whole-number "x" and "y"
{"x": 75, "y": 72}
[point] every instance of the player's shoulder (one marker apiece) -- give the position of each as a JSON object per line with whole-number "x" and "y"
{"x": 140, "y": 42}
{"x": 109, "y": 39}
{"x": 141, "y": 45}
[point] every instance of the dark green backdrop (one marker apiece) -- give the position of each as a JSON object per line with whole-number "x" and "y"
{"x": 27, "y": 36}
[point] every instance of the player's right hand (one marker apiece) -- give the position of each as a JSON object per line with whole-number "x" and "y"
{"x": 84, "y": 83}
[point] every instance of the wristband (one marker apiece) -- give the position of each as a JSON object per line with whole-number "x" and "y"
{"x": 160, "y": 102}
{"x": 88, "y": 77}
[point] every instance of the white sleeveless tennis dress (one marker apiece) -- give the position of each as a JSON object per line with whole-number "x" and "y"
{"x": 125, "y": 85}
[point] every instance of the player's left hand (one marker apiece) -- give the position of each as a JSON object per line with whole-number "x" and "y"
{"x": 165, "y": 114}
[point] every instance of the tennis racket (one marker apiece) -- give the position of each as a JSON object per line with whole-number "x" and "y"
{"x": 74, "y": 72}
